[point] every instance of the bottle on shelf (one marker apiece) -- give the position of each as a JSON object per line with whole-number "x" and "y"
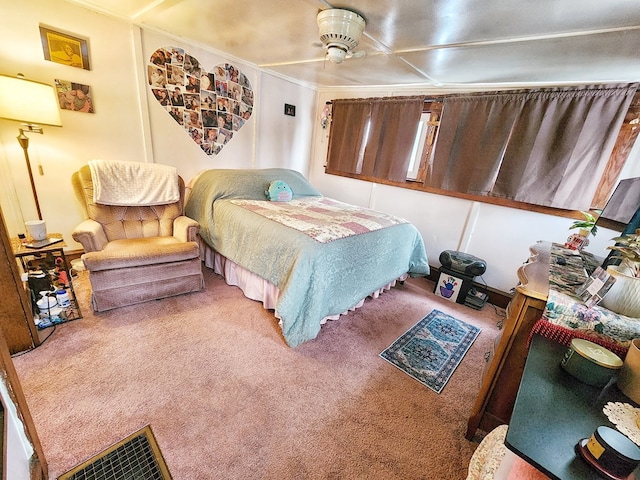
{"x": 63, "y": 297}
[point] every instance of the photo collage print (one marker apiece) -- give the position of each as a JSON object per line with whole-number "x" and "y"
{"x": 210, "y": 106}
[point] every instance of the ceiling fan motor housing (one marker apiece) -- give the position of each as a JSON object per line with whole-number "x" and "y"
{"x": 340, "y": 31}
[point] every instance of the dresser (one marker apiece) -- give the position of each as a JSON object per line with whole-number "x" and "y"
{"x": 502, "y": 376}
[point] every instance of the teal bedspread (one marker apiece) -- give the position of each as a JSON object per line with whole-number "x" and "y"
{"x": 315, "y": 279}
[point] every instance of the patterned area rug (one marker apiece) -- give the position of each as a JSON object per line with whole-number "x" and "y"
{"x": 432, "y": 349}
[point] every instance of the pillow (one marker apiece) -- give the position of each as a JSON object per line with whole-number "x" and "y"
{"x": 279, "y": 191}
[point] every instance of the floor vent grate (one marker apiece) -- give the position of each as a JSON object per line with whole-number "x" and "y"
{"x": 136, "y": 457}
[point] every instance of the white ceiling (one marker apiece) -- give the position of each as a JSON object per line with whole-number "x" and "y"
{"x": 413, "y": 42}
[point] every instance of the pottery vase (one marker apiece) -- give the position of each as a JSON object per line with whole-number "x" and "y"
{"x": 624, "y": 295}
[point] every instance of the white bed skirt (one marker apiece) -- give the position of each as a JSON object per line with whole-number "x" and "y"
{"x": 257, "y": 288}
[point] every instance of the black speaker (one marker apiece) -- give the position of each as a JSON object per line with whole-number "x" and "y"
{"x": 463, "y": 263}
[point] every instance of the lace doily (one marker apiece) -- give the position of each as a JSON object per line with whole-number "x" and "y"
{"x": 626, "y": 418}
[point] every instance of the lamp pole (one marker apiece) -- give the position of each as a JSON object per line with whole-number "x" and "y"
{"x": 24, "y": 143}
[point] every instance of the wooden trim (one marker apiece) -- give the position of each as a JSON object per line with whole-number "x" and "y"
{"x": 5, "y": 430}
{"x": 417, "y": 186}
{"x": 19, "y": 330}
{"x": 39, "y": 467}
{"x": 624, "y": 143}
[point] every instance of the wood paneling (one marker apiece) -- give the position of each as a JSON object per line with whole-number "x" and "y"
{"x": 16, "y": 318}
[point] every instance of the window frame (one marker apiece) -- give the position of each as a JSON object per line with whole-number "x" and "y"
{"x": 624, "y": 143}
{"x": 416, "y": 161}
{"x": 434, "y": 108}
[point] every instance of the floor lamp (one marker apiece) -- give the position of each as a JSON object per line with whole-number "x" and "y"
{"x": 34, "y": 104}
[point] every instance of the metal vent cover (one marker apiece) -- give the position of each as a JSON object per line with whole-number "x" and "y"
{"x": 136, "y": 457}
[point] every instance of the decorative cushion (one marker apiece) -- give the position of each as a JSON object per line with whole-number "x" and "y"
{"x": 136, "y": 252}
{"x": 493, "y": 461}
{"x": 486, "y": 459}
{"x": 279, "y": 191}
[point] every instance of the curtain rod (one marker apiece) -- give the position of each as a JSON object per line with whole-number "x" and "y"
{"x": 427, "y": 100}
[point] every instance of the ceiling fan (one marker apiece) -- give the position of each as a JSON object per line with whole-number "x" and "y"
{"x": 340, "y": 32}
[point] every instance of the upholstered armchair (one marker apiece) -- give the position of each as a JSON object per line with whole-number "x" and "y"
{"x": 136, "y": 253}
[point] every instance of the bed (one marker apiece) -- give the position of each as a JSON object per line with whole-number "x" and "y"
{"x": 311, "y": 269}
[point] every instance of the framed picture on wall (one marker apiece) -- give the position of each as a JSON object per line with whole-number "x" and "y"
{"x": 74, "y": 96}
{"x": 65, "y": 49}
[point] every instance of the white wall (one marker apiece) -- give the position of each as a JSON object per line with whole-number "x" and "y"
{"x": 499, "y": 235}
{"x": 170, "y": 142}
{"x": 125, "y": 124}
{"x": 115, "y": 130}
{"x": 19, "y": 448}
{"x": 282, "y": 140}
{"x": 268, "y": 139}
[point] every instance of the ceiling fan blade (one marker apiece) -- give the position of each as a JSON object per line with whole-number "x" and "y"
{"x": 358, "y": 54}
{"x": 294, "y": 62}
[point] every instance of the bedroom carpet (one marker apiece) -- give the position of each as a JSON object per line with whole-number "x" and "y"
{"x": 227, "y": 399}
{"x": 432, "y": 349}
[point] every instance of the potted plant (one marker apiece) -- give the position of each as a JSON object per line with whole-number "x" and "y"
{"x": 586, "y": 226}
{"x": 577, "y": 241}
{"x": 624, "y": 295}
{"x": 627, "y": 248}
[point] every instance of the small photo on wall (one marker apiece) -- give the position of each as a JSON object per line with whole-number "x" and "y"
{"x": 74, "y": 96}
{"x": 65, "y": 49}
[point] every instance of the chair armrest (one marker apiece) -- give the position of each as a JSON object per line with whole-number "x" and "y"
{"x": 91, "y": 235}
{"x": 185, "y": 229}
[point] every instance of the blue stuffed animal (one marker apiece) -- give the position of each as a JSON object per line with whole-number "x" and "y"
{"x": 279, "y": 191}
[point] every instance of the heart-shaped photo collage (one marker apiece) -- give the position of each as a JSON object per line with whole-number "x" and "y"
{"x": 209, "y": 106}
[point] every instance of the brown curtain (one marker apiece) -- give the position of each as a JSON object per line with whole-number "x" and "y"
{"x": 545, "y": 147}
{"x": 473, "y": 134}
{"x": 349, "y": 119}
{"x": 373, "y": 137}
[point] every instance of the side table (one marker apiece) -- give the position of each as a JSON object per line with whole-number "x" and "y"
{"x": 54, "y": 251}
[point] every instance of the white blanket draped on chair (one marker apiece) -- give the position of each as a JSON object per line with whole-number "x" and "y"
{"x": 133, "y": 183}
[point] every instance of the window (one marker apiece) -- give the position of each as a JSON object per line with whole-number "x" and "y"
{"x": 373, "y": 138}
{"x": 418, "y": 147}
{"x": 536, "y": 147}
{"x": 425, "y": 141}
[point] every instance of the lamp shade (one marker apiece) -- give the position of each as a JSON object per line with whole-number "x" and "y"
{"x": 28, "y": 101}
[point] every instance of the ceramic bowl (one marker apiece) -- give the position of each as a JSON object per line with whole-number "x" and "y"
{"x": 46, "y": 303}
{"x": 590, "y": 363}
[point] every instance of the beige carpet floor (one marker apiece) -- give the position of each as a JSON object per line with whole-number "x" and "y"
{"x": 227, "y": 399}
